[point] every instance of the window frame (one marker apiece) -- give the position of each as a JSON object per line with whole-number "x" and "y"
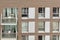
{"x": 41, "y": 11}
{"x": 26, "y": 29}
{"x": 43, "y": 37}
{"x": 55, "y": 37}
{"x": 43, "y": 25}
{"x": 9, "y": 13}
{"x": 25, "y": 12}
{"x": 55, "y": 11}
{"x": 15, "y": 26}
{"x": 54, "y": 30}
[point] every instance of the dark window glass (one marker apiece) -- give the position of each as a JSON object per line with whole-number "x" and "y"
{"x": 11, "y": 10}
{"x": 24, "y": 37}
{"x": 24, "y": 12}
{"x": 41, "y": 10}
{"x": 5, "y": 12}
{"x": 55, "y": 15}
{"x": 56, "y": 12}
{"x": 39, "y": 37}
{"x": 9, "y": 31}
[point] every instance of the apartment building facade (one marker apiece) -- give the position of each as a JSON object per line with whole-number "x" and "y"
{"x": 29, "y": 20}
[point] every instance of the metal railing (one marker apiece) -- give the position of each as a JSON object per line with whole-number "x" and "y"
{"x": 8, "y": 19}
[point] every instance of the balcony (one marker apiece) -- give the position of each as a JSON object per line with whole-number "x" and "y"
{"x": 10, "y": 20}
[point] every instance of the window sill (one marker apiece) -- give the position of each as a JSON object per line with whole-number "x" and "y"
{"x": 41, "y": 32}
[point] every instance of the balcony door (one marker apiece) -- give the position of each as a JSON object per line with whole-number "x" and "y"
{"x": 9, "y": 32}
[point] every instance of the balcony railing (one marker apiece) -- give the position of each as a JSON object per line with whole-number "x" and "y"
{"x": 8, "y": 35}
{"x": 8, "y": 20}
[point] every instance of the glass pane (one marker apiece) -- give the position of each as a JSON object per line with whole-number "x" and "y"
{"x": 56, "y": 15}
{"x": 10, "y": 12}
{"x": 24, "y": 12}
{"x": 56, "y": 12}
{"x": 9, "y": 31}
{"x": 5, "y": 12}
{"x": 41, "y": 37}
{"x": 9, "y": 35}
{"x": 55, "y": 26}
{"x": 24, "y": 26}
{"x": 41, "y": 26}
{"x": 55, "y": 37}
{"x": 9, "y": 20}
{"x": 41, "y": 12}
{"x": 24, "y": 37}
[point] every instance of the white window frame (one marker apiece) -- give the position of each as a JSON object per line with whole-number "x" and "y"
{"x": 43, "y": 23}
{"x": 56, "y": 37}
{"x": 25, "y": 36}
{"x": 9, "y": 11}
{"x": 43, "y": 12}
{"x": 57, "y": 12}
{"x": 8, "y": 38}
{"x": 26, "y": 24}
{"x": 54, "y": 30}
{"x": 27, "y": 12}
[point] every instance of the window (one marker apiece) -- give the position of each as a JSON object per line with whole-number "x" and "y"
{"x": 41, "y": 26}
{"x": 28, "y": 27}
{"x": 41, "y": 37}
{"x": 28, "y": 37}
{"x": 55, "y": 26}
{"x": 55, "y": 12}
{"x": 10, "y": 12}
{"x": 41, "y": 12}
{"x": 24, "y": 26}
{"x": 24, "y": 12}
{"x": 9, "y": 31}
{"x": 24, "y": 37}
{"x": 9, "y": 15}
{"x": 55, "y": 37}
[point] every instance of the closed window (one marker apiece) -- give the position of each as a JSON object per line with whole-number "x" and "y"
{"x": 28, "y": 37}
{"x": 41, "y": 37}
{"x": 41, "y": 12}
{"x": 10, "y": 12}
{"x": 55, "y": 12}
{"x": 55, "y": 26}
{"x": 24, "y": 26}
{"x": 55, "y": 37}
{"x": 24, "y": 12}
{"x": 9, "y": 31}
{"x": 24, "y": 37}
{"x": 41, "y": 26}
